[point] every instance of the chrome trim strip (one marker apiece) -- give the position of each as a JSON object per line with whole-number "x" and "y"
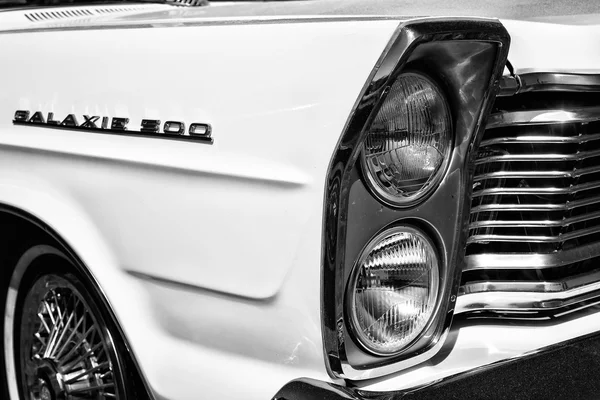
{"x": 542, "y": 117}
{"x": 540, "y": 139}
{"x": 531, "y": 260}
{"x": 518, "y": 223}
{"x": 534, "y": 239}
{"x": 534, "y": 223}
{"x": 538, "y": 174}
{"x": 183, "y": 23}
{"x": 558, "y": 287}
{"x": 558, "y": 82}
{"x": 548, "y": 82}
{"x": 535, "y": 191}
{"x": 523, "y": 174}
{"x": 539, "y": 157}
{"x": 526, "y": 301}
{"x": 569, "y": 205}
{"x": 518, "y": 207}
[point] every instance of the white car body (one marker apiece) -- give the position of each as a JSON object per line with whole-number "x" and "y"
{"x": 210, "y": 255}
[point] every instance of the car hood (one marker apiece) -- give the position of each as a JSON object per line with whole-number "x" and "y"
{"x": 251, "y": 71}
{"x": 537, "y": 33}
{"x": 572, "y": 13}
{"x": 554, "y": 47}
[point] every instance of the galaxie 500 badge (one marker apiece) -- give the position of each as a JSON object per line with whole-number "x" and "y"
{"x": 117, "y": 125}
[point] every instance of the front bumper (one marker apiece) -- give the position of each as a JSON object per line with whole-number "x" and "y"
{"x": 569, "y": 370}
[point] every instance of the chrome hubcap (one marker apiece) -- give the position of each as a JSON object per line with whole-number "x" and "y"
{"x": 45, "y": 393}
{"x": 65, "y": 353}
{"x": 47, "y": 384}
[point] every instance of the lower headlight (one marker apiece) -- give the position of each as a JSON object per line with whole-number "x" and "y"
{"x": 408, "y": 145}
{"x": 394, "y": 290}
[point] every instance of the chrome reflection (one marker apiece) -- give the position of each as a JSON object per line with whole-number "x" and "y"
{"x": 536, "y": 181}
{"x": 64, "y": 351}
{"x": 491, "y": 261}
{"x": 542, "y": 117}
{"x": 569, "y": 287}
{"x": 468, "y": 55}
{"x": 548, "y": 82}
{"x": 534, "y": 231}
{"x": 519, "y": 302}
{"x": 394, "y": 290}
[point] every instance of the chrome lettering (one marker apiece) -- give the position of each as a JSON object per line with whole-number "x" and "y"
{"x": 200, "y": 130}
{"x": 119, "y": 123}
{"x": 37, "y": 118}
{"x": 70, "y": 120}
{"x": 21, "y": 115}
{"x": 51, "y": 120}
{"x": 90, "y": 122}
{"x": 150, "y": 125}
{"x": 174, "y": 127}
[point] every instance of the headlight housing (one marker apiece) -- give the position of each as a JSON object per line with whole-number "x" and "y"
{"x": 467, "y": 59}
{"x": 394, "y": 290}
{"x": 408, "y": 145}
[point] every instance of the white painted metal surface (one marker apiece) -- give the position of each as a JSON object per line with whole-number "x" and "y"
{"x": 240, "y": 220}
{"x": 550, "y": 47}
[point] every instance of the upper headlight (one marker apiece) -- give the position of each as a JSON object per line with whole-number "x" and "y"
{"x": 409, "y": 143}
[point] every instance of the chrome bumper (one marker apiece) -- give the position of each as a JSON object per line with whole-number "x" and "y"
{"x": 568, "y": 370}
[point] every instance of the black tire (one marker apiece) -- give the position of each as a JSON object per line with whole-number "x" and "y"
{"x": 64, "y": 340}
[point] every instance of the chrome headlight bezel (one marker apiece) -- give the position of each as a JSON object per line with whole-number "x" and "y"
{"x": 375, "y": 184}
{"x": 434, "y": 285}
{"x": 466, "y": 57}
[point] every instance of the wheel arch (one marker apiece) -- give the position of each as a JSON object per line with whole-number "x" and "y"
{"x": 21, "y": 229}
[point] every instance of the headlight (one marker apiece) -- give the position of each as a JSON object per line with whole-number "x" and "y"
{"x": 394, "y": 289}
{"x": 409, "y": 142}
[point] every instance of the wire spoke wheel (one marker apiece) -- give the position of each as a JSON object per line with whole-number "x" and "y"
{"x": 65, "y": 350}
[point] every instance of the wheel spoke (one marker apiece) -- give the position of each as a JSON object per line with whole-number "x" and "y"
{"x": 57, "y": 306}
{"x": 86, "y": 372}
{"x": 64, "y": 344}
{"x": 62, "y": 335}
{"x": 75, "y": 347}
{"x": 56, "y": 328}
{"x": 43, "y": 320}
{"x": 50, "y": 340}
{"x": 93, "y": 388}
{"x": 104, "y": 375}
{"x": 38, "y": 337}
{"x": 48, "y": 308}
{"x": 82, "y": 357}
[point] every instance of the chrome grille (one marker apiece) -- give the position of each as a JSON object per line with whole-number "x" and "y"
{"x": 534, "y": 227}
{"x": 536, "y": 185}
